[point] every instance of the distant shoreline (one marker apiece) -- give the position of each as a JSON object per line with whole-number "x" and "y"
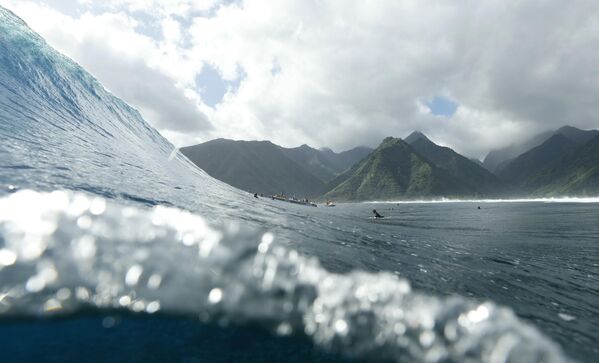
{"x": 515, "y": 200}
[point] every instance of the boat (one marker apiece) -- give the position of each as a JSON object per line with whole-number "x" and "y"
{"x": 284, "y": 198}
{"x": 302, "y": 202}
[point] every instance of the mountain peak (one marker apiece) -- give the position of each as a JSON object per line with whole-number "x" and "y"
{"x": 567, "y": 128}
{"x": 415, "y": 136}
{"x": 577, "y": 135}
{"x": 305, "y": 147}
{"x": 390, "y": 141}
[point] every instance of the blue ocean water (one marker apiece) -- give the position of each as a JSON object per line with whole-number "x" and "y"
{"x": 114, "y": 247}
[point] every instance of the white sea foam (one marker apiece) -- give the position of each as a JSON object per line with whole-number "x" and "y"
{"x": 516, "y": 200}
{"x": 169, "y": 260}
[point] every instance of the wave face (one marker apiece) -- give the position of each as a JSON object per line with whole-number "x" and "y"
{"x": 98, "y": 213}
{"x": 61, "y": 129}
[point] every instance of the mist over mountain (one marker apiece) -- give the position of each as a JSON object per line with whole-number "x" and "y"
{"x": 535, "y": 160}
{"x": 563, "y": 142}
{"x": 575, "y": 174}
{"x": 497, "y": 159}
{"x": 325, "y": 164}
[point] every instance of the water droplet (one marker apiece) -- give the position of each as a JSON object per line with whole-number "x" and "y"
{"x": 427, "y": 338}
{"x": 341, "y": 327}
{"x": 63, "y": 294}
{"x": 154, "y": 281}
{"x": 52, "y": 305}
{"x": 97, "y": 206}
{"x": 215, "y": 296}
{"x": 284, "y": 329}
{"x": 124, "y": 300}
{"x": 264, "y": 245}
{"x": 82, "y": 293}
{"x": 35, "y": 283}
{"x": 138, "y": 306}
{"x": 479, "y": 314}
{"x": 153, "y": 307}
{"x": 133, "y": 275}
{"x": 7, "y": 257}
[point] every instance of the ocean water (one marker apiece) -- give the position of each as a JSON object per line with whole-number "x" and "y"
{"x": 114, "y": 247}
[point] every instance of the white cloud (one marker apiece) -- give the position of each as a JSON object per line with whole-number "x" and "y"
{"x": 135, "y": 67}
{"x": 341, "y": 74}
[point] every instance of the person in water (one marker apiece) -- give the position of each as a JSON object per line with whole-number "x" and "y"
{"x": 255, "y": 195}
{"x": 376, "y": 214}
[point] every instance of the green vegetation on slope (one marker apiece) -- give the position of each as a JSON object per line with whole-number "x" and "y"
{"x": 393, "y": 170}
{"x": 397, "y": 169}
{"x": 263, "y": 167}
{"x": 574, "y": 174}
{"x": 471, "y": 175}
{"x": 254, "y": 166}
{"x": 536, "y": 160}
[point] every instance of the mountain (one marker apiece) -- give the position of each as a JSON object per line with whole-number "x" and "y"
{"x": 263, "y": 167}
{"x": 349, "y": 158}
{"x": 562, "y": 143}
{"x": 575, "y": 174}
{"x": 393, "y": 170}
{"x": 517, "y": 171}
{"x": 325, "y": 164}
{"x": 254, "y": 166}
{"x": 498, "y": 159}
{"x": 474, "y": 177}
{"x": 576, "y": 135}
{"x": 477, "y": 162}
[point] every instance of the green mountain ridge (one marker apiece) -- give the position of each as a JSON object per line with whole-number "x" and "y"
{"x": 536, "y": 160}
{"x": 394, "y": 170}
{"x": 414, "y": 168}
{"x": 522, "y": 171}
{"x": 576, "y": 174}
{"x": 496, "y": 160}
{"x": 473, "y": 176}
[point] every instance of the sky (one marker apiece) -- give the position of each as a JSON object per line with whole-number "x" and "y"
{"x": 473, "y": 75}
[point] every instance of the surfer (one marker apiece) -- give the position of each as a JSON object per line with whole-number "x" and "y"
{"x": 376, "y": 214}
{"x": 255, "y": 195}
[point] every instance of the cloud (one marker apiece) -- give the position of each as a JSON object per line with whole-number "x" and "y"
{"x": 354, "y": 73}
{"x": 132, "y": 66}
{"x": 342, "y": 74}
